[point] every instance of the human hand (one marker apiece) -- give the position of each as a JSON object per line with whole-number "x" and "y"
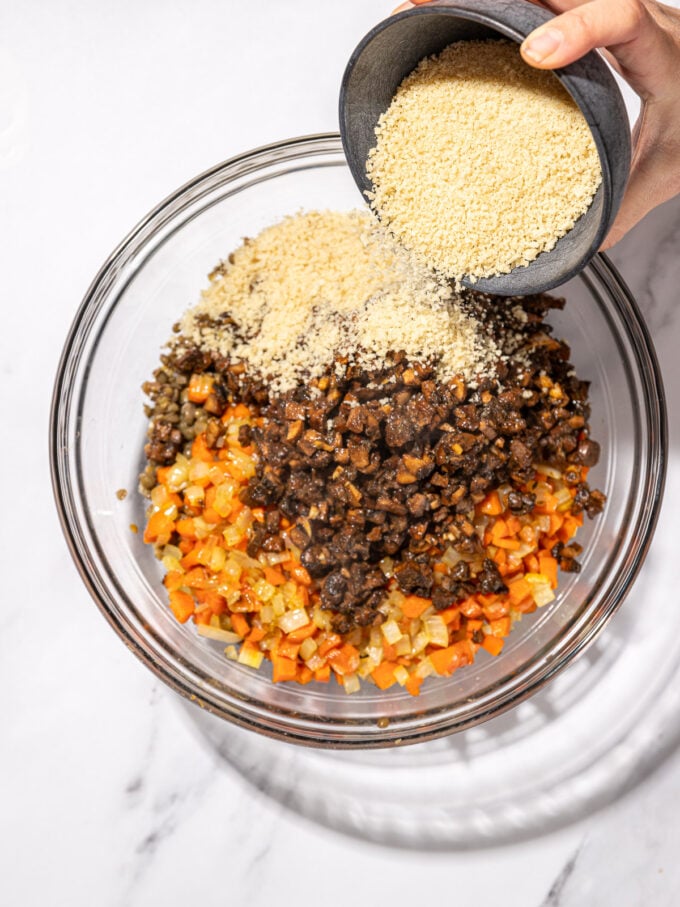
{"x": 641, "y": 40}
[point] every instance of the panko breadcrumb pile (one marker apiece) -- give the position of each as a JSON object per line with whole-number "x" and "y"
{"x": 322, "y": 284}
{"x": 481, "y": 162}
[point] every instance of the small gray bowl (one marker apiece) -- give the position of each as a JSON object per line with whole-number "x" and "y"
{"x": 392, "y": 49}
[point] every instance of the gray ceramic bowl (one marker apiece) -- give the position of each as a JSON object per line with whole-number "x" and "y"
{"x": 392, "y": 49}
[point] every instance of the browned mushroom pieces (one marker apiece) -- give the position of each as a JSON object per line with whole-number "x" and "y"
{"x": 333, "y": 588}
{"x": 294, "y": 411}
{"x": 417, "y": 504}
{"x": 588, "y": 452}
{"x": 359, "y": 452}
{"x": 519, "y": 502}
{"x": 595, "y": 504}
{"x": 414, "y": 577}
{"x": 356, "y": 419}
{"x": 399, "y": 429}
{"x": 521, "y": 453}
{"x": 299, "y": 537}
{"x": 490, "y": 581}
{"x": 317, "y": 560}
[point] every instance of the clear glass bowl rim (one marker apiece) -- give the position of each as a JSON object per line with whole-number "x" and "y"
{"x": 110, "y": 600}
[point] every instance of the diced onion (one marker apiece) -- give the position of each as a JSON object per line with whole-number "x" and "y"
{"x": 250, "y": 656}
{"x": 436, "y": 630}
{"x": 293, "y": 620}
{"x": 217, "y": 633}
{"x": 307, "y": 648}
{"x": 550, "y": 471}
{"x": 351, "y": 683}
{"x": 390, "y": 630}
{"x": 425, "y": 668}
{"x": 541, "y": 590}
{"x": 401, "y": 675}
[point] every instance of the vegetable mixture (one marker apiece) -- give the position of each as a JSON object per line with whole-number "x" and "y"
{"x": 373, "y": 524}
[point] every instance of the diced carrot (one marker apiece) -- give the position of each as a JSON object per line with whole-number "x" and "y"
{"x": 389, "y": 651}
{"x": 500, "y": 627}
{"x": 215, "y": 602}
{"x": 413, "y": 605}
{"x": 500, "y": 558}
{"x": 383, "y": 675}
{"x": 548, "y": 567}
{"x": 173, "y": 580}
{"x": 330, "y": 642}
{"x": 198, "y": 578}
{"x": 508, "y": 544}
{"x": 440, "y": 568}
{"x": 162, "y": 474}
{"x": 303, "y": 594}
{"x": 186, "y": 528}
{"x": 288, "y": 649}
{"x": 491, "y": 505}
{"x": 200, "y": 387}
{"x": 413, "y": 684}
{"x": 556, "y": 521}
{"x": 304, "y": 674}
{"x": 185, "y": 545}
{"x": 159, "y": 528}
{"x": 182, "y": 605}
{"x": 531, "y": 562}
{"x": 549, "y": 504}
{"x": 473, "y": 625}
{"x": 190, "y": 559}
{"x": 514, "y": 525}
{"x": 526, "y": 606}
{"x": 302, "y": 633}
{"x": 471, "y": 607}
{"x": 498, "y": 609}
{"x": 499, "y": 530}
{"x": 299, "y": 574}
{"x": 323, "y": 674}
{"x": 273, "y": 576}
{"x": 485, "y": 601}
{"x": 344, "y": 660}
{"x": 493, "y": 644}
{"x": 256, "y": 634}
{"x": 253, "y": 602}
{"x": 518, "y": 588}
{"x": 240, "y": 411}
{"x": 240, "y": 625}
{"x": 283, "y": 668}
{"x": 200, "y": 450}
{"x": 451, "y": 617}
{"x": 446, "y": 661}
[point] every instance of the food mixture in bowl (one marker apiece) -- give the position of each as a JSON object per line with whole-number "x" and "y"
{"x": 354, "y": 470}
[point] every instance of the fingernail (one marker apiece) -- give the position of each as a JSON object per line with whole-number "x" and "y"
{"x": 541, "y": 44}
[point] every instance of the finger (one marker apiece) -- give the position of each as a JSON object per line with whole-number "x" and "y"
{"x": 584, "y": 27}
{"x": 401, "y": 8}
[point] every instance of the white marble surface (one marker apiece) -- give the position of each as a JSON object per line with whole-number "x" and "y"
{"x": 111, "y": 793}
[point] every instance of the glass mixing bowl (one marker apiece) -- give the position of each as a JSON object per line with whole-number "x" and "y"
{"x": 98, "y": 431}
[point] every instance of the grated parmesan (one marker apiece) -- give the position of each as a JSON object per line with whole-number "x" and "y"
{"x": 481, "y": 162}
{"x": 323, "y": 284}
